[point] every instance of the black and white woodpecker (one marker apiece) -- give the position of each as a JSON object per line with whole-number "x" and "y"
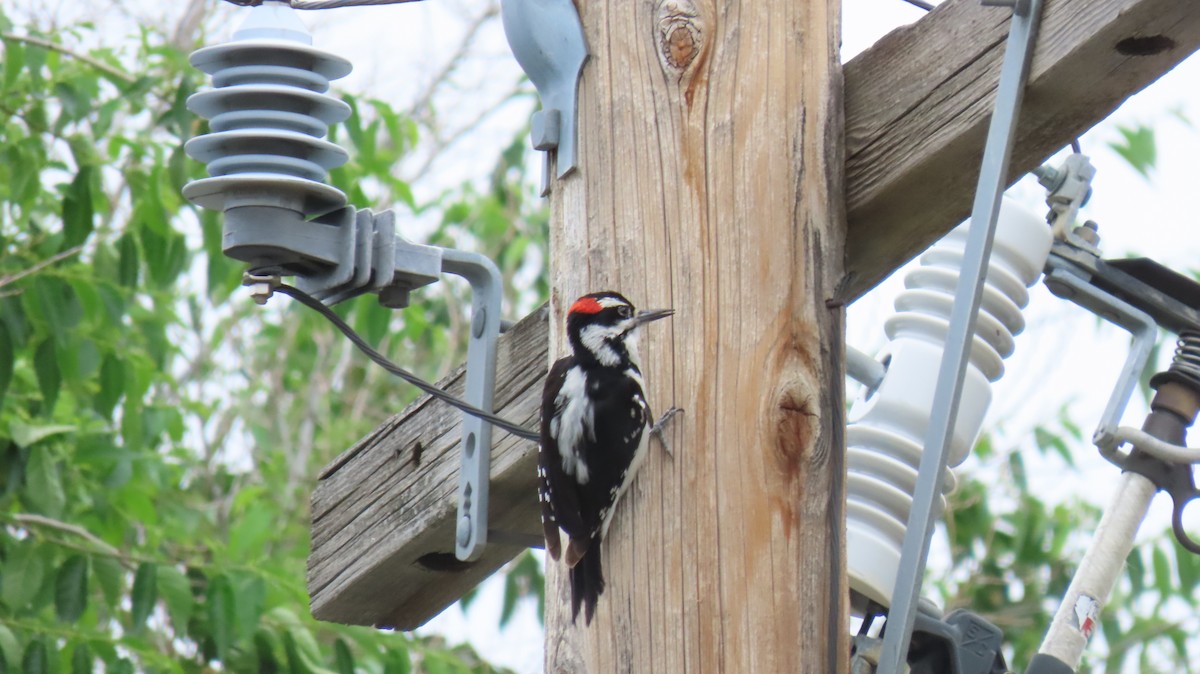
{"x": 596, "y": 425}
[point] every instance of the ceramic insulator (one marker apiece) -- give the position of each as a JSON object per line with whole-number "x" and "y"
{"x": 887, "y": 426}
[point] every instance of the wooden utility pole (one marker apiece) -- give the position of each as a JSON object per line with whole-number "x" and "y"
{"x": 710, "y": 182}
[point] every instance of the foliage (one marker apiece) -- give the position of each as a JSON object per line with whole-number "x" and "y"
{"x": 158, "y": 438}
{"x": 1137, "y": 147}
{"x": 1015, "y": 552}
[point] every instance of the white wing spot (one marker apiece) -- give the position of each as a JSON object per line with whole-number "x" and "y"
{"x": 571, "y": 424}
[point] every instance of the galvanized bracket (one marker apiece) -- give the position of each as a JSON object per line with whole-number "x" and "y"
{"x": 993, "y": 172}
{"x": 1069, "y": 281}
{"x": 470, "y": 535}
{"x": 546, "y": 37}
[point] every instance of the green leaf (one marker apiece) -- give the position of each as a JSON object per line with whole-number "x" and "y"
{"x": 1137, "y": 146}
{"x": 145, "y": 594}
{"x": 10, "y": 650}
{"x": 249, "y": 534}
{"x": 7, "y": 358}
{"x": 1135, "y": 568}
{"x": 1162, "y": 572}
{"x": 251, "y": 593}
{"x": 222, "y": 615}
{"x": 70, "y": 588}
{"x": 45, "y": 366}
{"x": 14, "y": 61}
{"x": 77, "y": 214}
{"x": 176, "y": 591}
{"x": 127, "y": 261}
{"x": 267, "y": 646}
{"x": 112, "y": 386}
{"x": 397, "y": 660}
{"x": 108, "y": 575}
{"x": 26, "y": 435}
{"x": 82, "y": 661}
{"x": 43, "y": 483}
{"x": 342, "y": 657}
{"x": 304, "y": 655}
{"x": 36, "y": 659}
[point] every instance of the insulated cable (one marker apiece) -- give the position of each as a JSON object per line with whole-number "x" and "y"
{"x": 318, "y": 306}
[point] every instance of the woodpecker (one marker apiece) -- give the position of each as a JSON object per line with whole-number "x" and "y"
{"x": 596, "y": 425}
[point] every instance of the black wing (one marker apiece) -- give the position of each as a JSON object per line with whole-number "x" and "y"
{"x": 557, "y": 493}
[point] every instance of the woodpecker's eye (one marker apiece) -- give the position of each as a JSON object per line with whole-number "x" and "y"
{"x": 624, "y": 311}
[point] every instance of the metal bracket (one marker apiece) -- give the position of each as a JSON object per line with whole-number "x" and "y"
{"x": 546, "y": 37}
{"x": 470, "y": 535}
{"x": 1067, "y": 284}
{"x": 993, "y": 173}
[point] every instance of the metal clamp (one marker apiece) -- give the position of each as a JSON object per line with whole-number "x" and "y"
{"x": 1069, "y": 187}
{"x": 546, "y": 38}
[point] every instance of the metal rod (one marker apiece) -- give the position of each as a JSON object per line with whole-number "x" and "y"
{"x": 863, "y": 368}
{"x": 992, "y": 178}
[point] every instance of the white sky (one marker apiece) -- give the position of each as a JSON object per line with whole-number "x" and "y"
{"x": 395, "y": 48}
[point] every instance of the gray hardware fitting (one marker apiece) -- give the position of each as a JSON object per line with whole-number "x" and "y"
{"x": 546, "y": 38}
{"x": 269, "y": 112}
{"x": 992, "y": 174}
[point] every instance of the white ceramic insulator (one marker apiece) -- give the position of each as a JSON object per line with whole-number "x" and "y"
{"x": 886, "y": 427}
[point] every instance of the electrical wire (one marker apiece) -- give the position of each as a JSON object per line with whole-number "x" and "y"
{"x": 318, "y": 306}
{"x": 920, "y": 3}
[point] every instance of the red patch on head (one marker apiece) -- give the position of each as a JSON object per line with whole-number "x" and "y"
{"x": 585, "y": 305}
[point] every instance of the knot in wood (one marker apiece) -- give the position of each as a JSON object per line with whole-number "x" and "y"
{"x": 679, "y": 35}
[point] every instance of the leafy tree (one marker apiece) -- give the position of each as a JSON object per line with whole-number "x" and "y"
{"x": 158, "y": 439}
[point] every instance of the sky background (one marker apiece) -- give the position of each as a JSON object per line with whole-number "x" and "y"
{"x": 1064, "y": 358}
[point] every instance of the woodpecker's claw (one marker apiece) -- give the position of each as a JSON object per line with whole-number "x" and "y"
{"x": 658, "y": 428}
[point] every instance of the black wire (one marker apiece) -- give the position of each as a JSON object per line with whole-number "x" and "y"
{"x": 1075, "y": 146}
{"x": 920, "y": 3}
{"x": 318, "y": 306}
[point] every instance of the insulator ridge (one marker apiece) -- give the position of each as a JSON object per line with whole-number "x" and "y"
{"x": 887, "y": 426}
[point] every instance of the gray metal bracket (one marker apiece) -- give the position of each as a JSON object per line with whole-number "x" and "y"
{"x": 546, "y": 38}
{"x": 948, "y": 390}
{"x": 470, "y": 535}
{"x": 1069, "y": 285}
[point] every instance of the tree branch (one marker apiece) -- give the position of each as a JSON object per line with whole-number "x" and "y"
{"x": 62, "y": 49}
{"x": 13, "y": 278}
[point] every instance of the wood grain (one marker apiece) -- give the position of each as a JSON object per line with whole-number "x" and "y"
{"x": 918, "y": 104}
{"x": 711, "y": 183}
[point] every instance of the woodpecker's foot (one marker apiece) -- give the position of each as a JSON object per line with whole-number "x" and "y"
{"x": 659, "y": 426}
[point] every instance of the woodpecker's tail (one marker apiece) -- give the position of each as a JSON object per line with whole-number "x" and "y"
{"x": 587, "y": 582}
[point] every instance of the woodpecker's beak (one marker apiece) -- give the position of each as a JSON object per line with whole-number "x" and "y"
{"x": 652, "y": 315}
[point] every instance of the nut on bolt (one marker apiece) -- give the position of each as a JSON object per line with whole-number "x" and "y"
{"x": 262, "y": 286}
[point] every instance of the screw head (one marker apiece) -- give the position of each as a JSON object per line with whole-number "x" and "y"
{"x": 478, "y": 321}
{"x": 464, "y": 530}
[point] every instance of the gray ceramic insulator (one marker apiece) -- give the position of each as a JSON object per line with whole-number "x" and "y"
{"x": 269, "y": 112}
